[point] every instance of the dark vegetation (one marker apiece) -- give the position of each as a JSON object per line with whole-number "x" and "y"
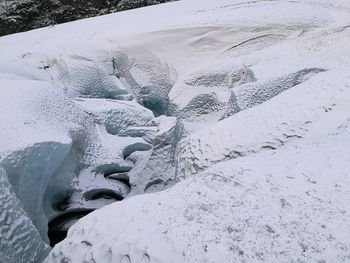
{"x": 23, "y": 15}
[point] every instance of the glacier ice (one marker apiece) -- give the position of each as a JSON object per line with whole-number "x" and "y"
{"x": 73, "y": 148}
{"x": 147, "y": 78}
{"x": 20, "y": 240}
{"x": 159, "y": 171}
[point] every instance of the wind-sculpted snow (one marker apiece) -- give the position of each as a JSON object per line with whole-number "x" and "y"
{"x": 267, "y": 126}
{"x": 253, "y": 44}
{"x": 247, "y": 96}
{"x": 237, "y": 111}
{"x": 200, "y": 105}
{"x": 209, "y": 78}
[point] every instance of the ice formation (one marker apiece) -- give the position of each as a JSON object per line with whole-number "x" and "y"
{"x": 218, "y": 135}
{"x": 20, "y": 240}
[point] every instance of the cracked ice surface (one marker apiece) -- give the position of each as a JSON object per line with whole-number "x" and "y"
{"x": 254, "y": 209}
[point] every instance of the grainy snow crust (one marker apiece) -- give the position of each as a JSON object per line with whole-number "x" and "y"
{"x": 238, "y": 110}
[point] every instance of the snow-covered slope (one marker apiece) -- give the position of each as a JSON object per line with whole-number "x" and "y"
{"x": 239, "y": 109}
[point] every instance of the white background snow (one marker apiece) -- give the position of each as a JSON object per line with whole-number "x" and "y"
{"x": 253, "y": 156}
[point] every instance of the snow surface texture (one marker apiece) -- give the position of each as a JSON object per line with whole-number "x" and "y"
{"x": 245, "y": 105}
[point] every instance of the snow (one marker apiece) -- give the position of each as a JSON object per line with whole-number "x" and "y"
{"x": 268, "y": 125}
{"x": 219, "y": 134}
{"x": 117, "y": 116}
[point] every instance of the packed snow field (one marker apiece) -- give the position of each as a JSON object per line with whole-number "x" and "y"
{"x": 194, "y": 131}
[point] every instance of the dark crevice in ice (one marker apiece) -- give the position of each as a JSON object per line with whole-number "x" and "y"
{"x": 59, "y": 226}
{"x": 102, "y": 193}
{"x": 154, "y": 183}
{"x": 108, "y": 169}
{"x": 121, "y": 177}
{"x": 139, "y": 146}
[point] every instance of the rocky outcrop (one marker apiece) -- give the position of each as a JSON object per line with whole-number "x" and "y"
{"x": 23, "y": 15}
